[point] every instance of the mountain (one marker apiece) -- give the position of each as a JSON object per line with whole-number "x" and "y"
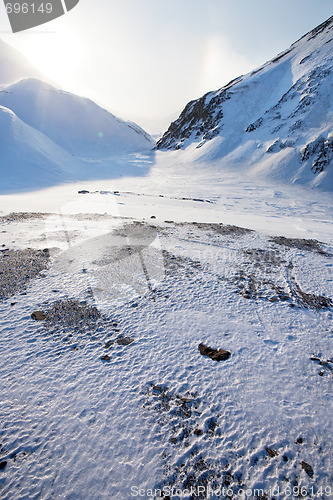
{"x": 14, "y": 66}
{"x": 275, "y": 122}
{"x": 29, "y": 158}
{"x": 74, "y": 123}
{"x": 69, "y": 123}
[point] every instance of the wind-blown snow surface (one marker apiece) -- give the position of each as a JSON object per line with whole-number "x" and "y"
{"x": 275, "y": 123}
{"x": 108, "y": 396}
{"x": 145, "y": 293}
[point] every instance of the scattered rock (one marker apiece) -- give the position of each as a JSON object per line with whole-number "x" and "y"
{"x": 308, "y": 469}
{"x": 186, "y": 400}
{"x": 38, "y": 316}
{"x": 125, "y": 341}
{"x": 301, "y": 244}
{"x": 246, "y": 296}
{"x": 198, "y": 432}
{"x": 105, "y": 358}
{"x": 109, "y": 344}
{"x": 157, "y": 388}
{"x": 271, "y": 453}
{"x": 18, "y": 268}
{"x": 215, "y": 354}
{"x": 3, "y": 464}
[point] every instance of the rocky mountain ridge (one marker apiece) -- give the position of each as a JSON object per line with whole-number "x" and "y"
{"x": 283, "y": 109}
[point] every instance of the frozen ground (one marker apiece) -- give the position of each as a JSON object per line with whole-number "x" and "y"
{"x": 139, "y": 272}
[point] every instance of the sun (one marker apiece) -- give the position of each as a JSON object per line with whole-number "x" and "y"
{"x": 55, "y": 55}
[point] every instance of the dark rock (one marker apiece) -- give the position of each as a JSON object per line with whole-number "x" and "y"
{"x": 109, "y": 344}
{"x": 215, "y": 354}
{"x": 105, "y": 358}
{"x": 83, "y": 191}
{"x": 254, "y": 125}
{"x": 308, "y": 469}
{"x": 38, "y": 316}
{"x": 3, "y": 464}
{"x": 202, "y": 117}
{"x": 125, "y": 341}
{"x": 153, "y": 217}
{"x": 157, "y": 388}
{"x": 198, "y": 432}
{"x": 186, "y": 400}
{"x": 271, "y": 453}
{"x": 299, "y": 440}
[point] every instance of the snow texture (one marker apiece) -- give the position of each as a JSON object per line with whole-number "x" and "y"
{"x": 166, "y": 323}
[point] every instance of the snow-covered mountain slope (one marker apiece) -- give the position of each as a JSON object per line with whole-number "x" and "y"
{"x": 277, "y": 121}
{"x": 14, "y": 66}
{"x": 28, "y": 158}
{"x": 74, "y": 123}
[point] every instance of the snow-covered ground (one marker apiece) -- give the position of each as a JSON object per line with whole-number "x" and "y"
{"x": 139, "y": 271}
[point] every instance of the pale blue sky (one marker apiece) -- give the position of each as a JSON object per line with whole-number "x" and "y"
{"x": 145, "y": 59}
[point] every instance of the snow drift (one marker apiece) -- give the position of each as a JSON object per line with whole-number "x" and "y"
{"x": 29, "y": 158}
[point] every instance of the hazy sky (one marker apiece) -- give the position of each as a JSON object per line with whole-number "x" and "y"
{"x": 145, "y": 59}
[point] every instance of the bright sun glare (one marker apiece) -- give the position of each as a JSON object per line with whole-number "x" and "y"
{"x": 56, "y": 56}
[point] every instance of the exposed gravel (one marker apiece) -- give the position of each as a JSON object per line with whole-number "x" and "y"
{"x": 18, "y": 267}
